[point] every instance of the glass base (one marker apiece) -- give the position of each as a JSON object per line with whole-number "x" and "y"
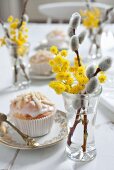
{"x": 79, "y": 156}
{"x": 20, "y": 85}
{"x": 94, "y": 57}
{"x": 15, "y": 87}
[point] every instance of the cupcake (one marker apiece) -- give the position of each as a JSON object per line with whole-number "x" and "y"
{"x": 32, "y": 113}
{"x": 40, "y": 62}
{"x": 56, "y": 37}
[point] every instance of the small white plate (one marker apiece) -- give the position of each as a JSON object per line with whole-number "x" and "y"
{"x": 12, "y": 139}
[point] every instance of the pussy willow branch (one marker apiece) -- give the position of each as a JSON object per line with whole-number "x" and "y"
{"x": 78, "y": 57}
{"x": 87, "y": 4}
{"x": 97, "y": 71}
{"x": 16, "y": 69}
{"x": 77, "y": 120}
{"x": 99, "y": 31}
{"x": 15, "y": 66}
{"x": 85, "y": 133}
{"x": 2, "y": 23}
{"x": 24, "y": 71}
{"x": 15, "y": 72}
{"x": 85, "y": 121}
{"x": 21, "y": 66}
{"x": 23, "y": 12}
{"x": 77, "y": 53}
{"x": 5, "y": 29}
{"x": 106, "y": 15}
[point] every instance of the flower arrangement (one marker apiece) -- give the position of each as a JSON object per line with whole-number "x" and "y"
{"x": 77, "y": 78}
{"x": 16, "y": 39}
{"x": 94, "y": 20}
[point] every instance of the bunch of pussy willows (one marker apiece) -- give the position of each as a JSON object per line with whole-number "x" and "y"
{"x": 94, "y": 20}
{"x": 16, "y": 39}
{"x": 77, "y": 78}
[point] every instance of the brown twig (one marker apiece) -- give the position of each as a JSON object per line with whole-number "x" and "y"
{"x": 23, "y": 12}
{"x": 78, "y": 57}
{"x": 106, "y": 15}
{"x": 85, "y": 134}
{"x": 97, "y": 71}
{"x": 15, "y": 65}
{"x": 23, "y": 69}
{"x": 2, "y": 22}
{"x": 74, "y": 31}
{"x": 88, "y": 4}
{"x": 5, "y": 30}
{"x": 15, "y": 73}
{"x": 94, "y": 39}
{"x": 77, "y": 120}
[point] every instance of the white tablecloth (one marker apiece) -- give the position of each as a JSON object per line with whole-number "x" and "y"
{"x": 53, "y": 157}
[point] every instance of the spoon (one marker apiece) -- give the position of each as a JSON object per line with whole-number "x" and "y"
{"x": 29, "y": 141}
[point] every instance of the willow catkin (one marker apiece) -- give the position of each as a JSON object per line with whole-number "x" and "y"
{"x": 25, "y": 18}
{"x": 70, "y": 32}
{"x": 92, "y": 85}
{"x": 74, "y": 43}
{"x": 105, "y": 64}
{"x": 77, "y": 103}
{"x": 75, "y": 20}
{"x": 82, "y": 36}
{"x": 111, "y": 17}
{"x": 90, "y": 71}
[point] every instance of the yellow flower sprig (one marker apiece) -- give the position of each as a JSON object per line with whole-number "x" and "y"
{"x": 16, "y": 33}
{"x": 102, "y": 77}
{"x": 74, "y": 78}
{"x": 69, "y": 78}
{"x": 91, "y": 17}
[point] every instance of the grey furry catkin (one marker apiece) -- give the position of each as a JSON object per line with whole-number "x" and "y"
{"x": 74, "y": 43}
{"x": 25, "y": 18}
{"x": 92, "y": 85}
{"x": 82, "y": 36}
{"x": 105, "y": 64}
{"x": 77, "y": 103}
{"x": 70, "y": 32}
{"x": 75, "y": 20}
{"x": 111, "y": 17}
{"x": 90, "y": 71}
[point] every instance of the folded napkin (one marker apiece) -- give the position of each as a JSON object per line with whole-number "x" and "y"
{"x": 107, "y": 102}
{"x": 107, "y": 96}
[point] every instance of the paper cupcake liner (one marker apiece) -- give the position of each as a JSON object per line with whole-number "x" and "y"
{"x": 41, "y": 68}
{"x": 36, "y": 127}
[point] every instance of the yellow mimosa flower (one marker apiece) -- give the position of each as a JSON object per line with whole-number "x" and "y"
{"x": 64, "y": 53}
{"x": 10, "y": 19}
{"x": 54, "y": 50}
{"x": 102, "y": 78}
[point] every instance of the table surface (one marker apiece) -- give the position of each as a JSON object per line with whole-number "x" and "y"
{"x": 53, "y": 157}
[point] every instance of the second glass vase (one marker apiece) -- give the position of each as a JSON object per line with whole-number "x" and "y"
{"x": 20, "y": 65}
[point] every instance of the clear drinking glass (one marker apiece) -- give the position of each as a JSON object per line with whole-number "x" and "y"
{"x": 20, "y": 65}
{"x": 81, "y": 110}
